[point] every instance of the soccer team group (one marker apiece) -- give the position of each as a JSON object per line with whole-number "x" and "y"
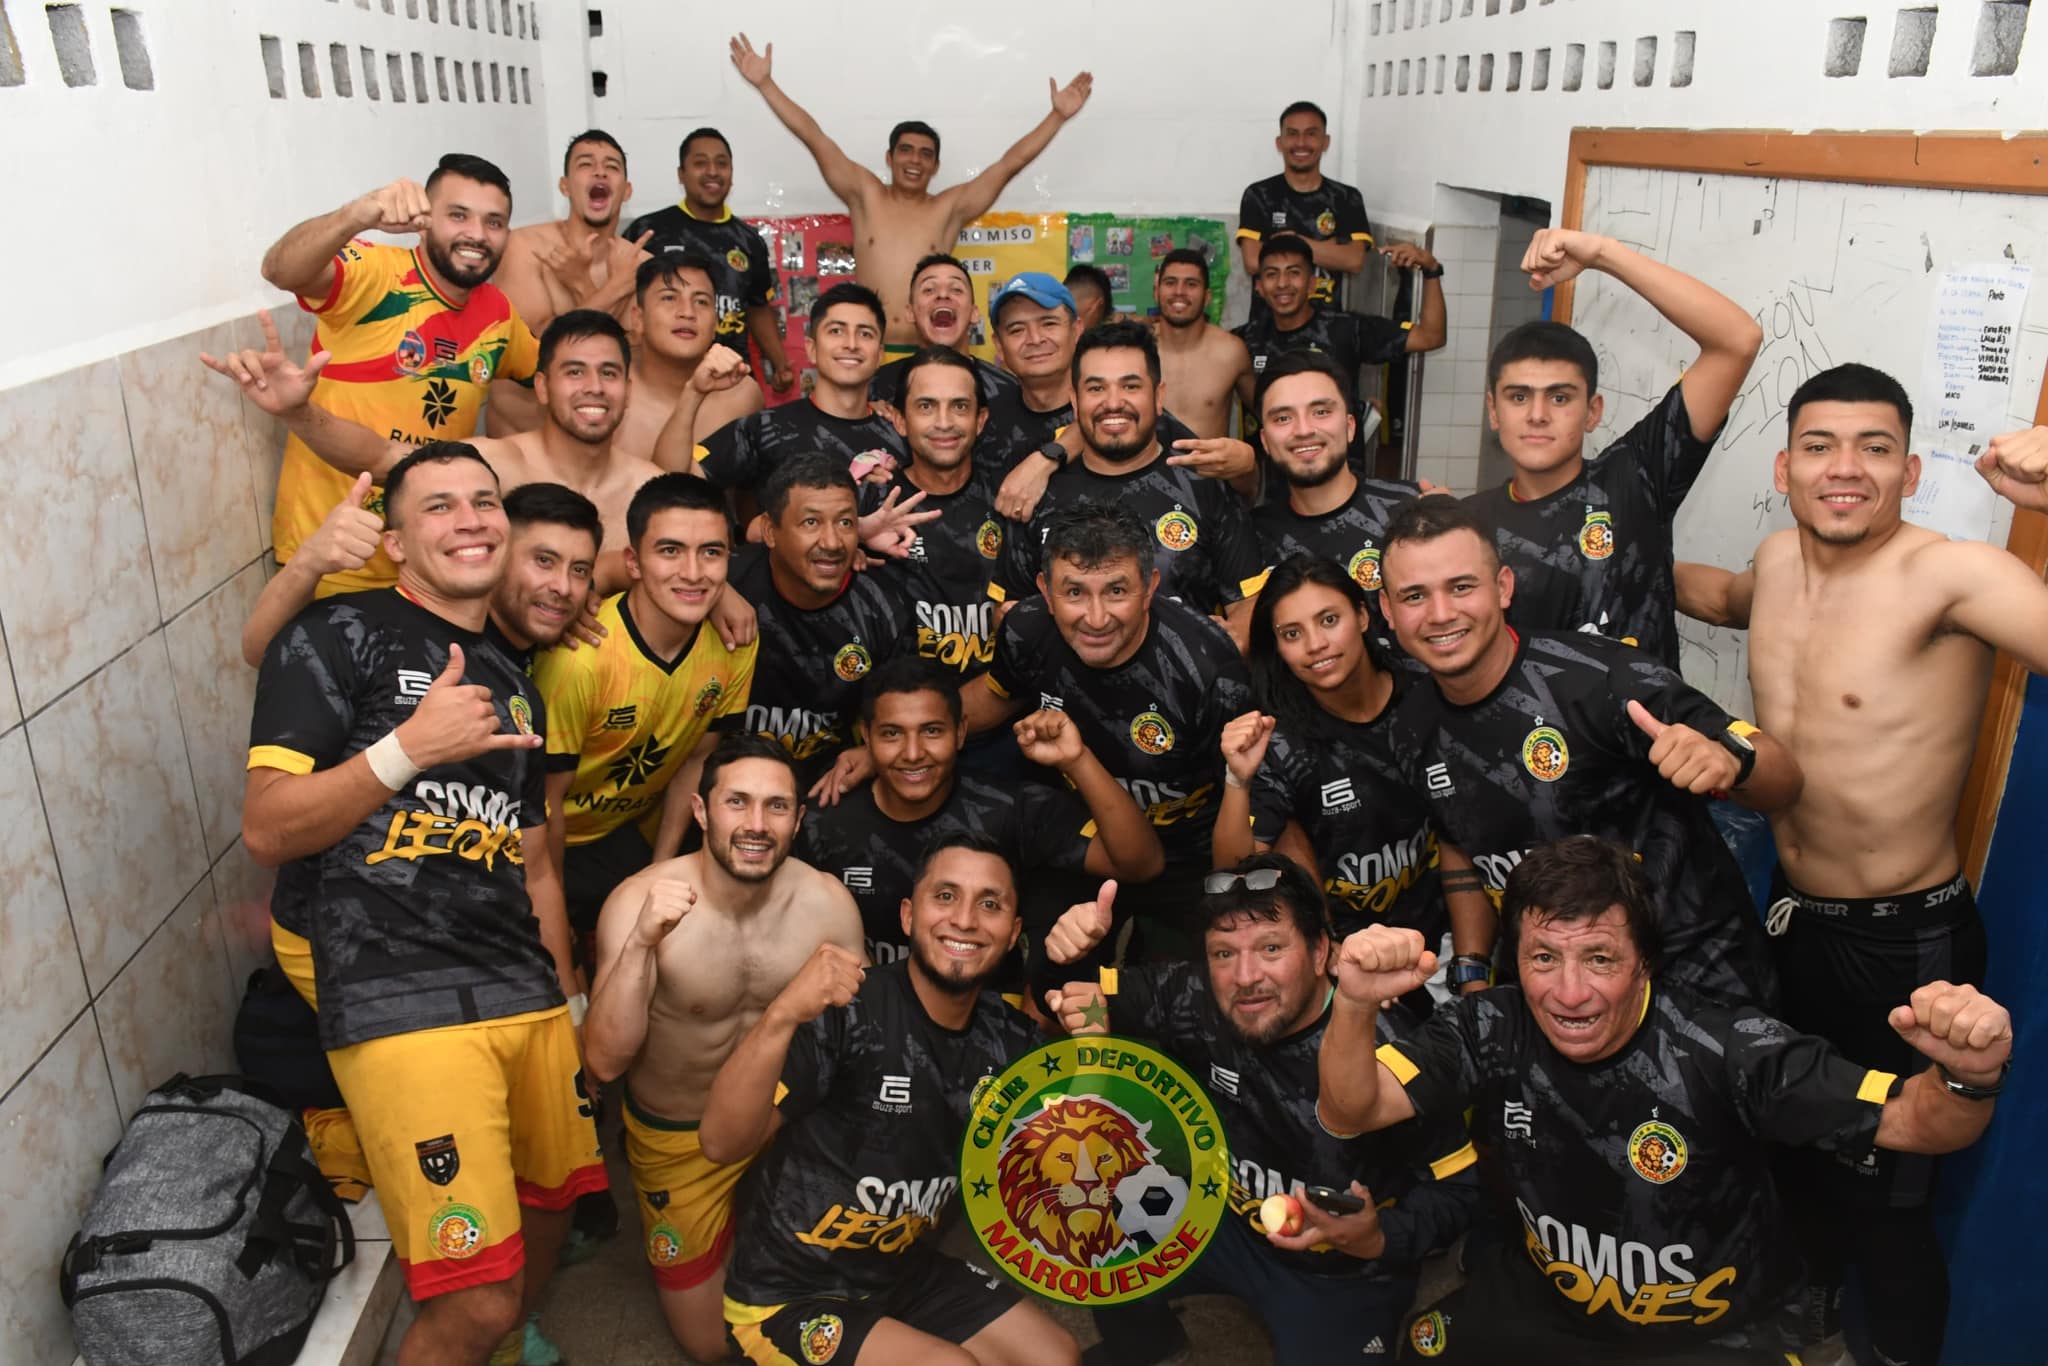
{"x": 805, "y": 766}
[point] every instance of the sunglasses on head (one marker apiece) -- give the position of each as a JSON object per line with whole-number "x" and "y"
{"x": 1257, "y": 880}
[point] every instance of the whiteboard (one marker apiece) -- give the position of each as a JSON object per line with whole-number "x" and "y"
{"x": 1832, "y": 272}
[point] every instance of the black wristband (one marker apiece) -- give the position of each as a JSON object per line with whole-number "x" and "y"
{"x": 1053, "y": 451}
{"x": 1435, "y": 274}
{"x": 1969, "y": 1092}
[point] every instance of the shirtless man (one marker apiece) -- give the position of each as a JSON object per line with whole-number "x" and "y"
{"x": 942, "y": 310}
{"x": 579, "y": 261}
{"x": 1870, "y": 649}
{"x": 690, "y": 952}
{"x": 895, "y": 224}
{"x": 1202, "y": 364}
{"x": 680, "y": 363}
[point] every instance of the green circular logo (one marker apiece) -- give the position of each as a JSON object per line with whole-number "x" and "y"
{"x": 1094, "y": 1170}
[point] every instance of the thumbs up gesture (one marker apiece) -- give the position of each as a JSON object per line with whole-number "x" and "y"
{"x": 456, "y": 721}
{"x": 349, "y": 536}
{"x": 1688, "y": 760}
{"x": 1082, "y": 927}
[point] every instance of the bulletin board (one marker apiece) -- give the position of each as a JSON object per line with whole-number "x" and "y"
{"x": 996, "y": 246}
{"x": 1128, "y": 249}
{"x": 810, "y": 254}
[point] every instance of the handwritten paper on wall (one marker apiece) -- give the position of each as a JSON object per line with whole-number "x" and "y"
{"x": 1966, "y": 377}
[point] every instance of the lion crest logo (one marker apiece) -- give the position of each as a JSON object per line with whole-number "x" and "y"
{"x": 664, "y": 1245}
{"x": 1596, "y": 537}
{"x": 1326, "y": 223}
{"x": 1365, "y": 569}
{"x": 1656, "y": 1152}
{"x": 851, "y": 662}
{"x": 707, "y": 697}
{"x": 1427, "y": 1336}
{"x": 522, "y": 714}
{"x": 1059, "y": 1172}
{"x": 1544, "y": 754}
{"x": 821, "y": 1337}
{"x": 1150, "y": 732}
{"x": 736, "y": 258}
{"x": 989, "y": 540}
{"x": 1177, "y": 530}
{"x": 457, "y": 1232}
{"x": 1094, "y": 1170}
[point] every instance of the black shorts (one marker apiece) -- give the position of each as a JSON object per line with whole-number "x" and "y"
{"x": 935, "y": 1294}
{"x": 591, "y": 872}
{"x": 1496, "y": 1317}
{"x": 1843, "y": 967}
{"x": 1309, "y": 1317}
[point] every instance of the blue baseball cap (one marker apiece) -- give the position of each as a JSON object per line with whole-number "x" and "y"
{"x": 1035, "y": 285}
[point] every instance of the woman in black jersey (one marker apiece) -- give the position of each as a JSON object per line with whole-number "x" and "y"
{"x": 1313, "y": 773}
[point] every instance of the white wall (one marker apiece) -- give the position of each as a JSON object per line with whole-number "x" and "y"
{"x": 1755, "y": 64}
{"x": 1187, "y": 97}
{"x": 137, "y": 215}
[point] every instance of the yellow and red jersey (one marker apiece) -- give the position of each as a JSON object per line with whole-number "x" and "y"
{"x": 407, "y": 364}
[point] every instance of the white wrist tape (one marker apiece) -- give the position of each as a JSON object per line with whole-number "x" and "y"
{"x": 579, "y": 1006}
{"x": 392, "y": 765}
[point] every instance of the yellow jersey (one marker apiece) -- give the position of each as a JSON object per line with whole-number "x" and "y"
{"x": 408, "y": 365}
{"x": 625, "y": 722}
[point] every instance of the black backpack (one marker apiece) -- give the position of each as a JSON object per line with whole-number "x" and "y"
{"x": 212, "y": 1236}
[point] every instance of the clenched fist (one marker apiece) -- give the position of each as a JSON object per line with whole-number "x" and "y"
{"x": 1380, "y": 963}
{"x": 668, "y": 901}
{"x": 831, "y": 977}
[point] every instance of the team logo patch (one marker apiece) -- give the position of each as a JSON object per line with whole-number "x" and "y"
{"x": 988, "y": 1079}
{"x": 664, "y": 1245}
{"x": 736, "y": 258}
{"x": 821, "y": 1337}
{"x": 522, "y": 714}
{"x": 1428, "y": 1334}
{"x": 479, "y": 370}
{"x": 1596, "y": 537}
{"x": 1326, "y": 223}
{"x": 1365, "y": 569}
{"x": 439, "y": 1161}
{"x": 1150, "y": 732}
{"x": 1095, "y": 1170}
{"x": 457, "y": 1232}
{"x": 1544, "y": 754}
{"x": 1656, "y": 1151}
{"x": 989, "y": 540}
{"x": 708, "y": 697}
{"x": 411, "y": 354}
{"x": 1176, "y": 530}
{"x": 658, "y": 1199}
{"x": 851, "y": 662}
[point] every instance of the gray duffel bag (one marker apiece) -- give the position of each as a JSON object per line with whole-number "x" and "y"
{"x": 212, "y": 1236}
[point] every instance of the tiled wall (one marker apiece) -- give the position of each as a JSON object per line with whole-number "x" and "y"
{"x": 1453, "y": 411}
{"x": 136, "y": 529}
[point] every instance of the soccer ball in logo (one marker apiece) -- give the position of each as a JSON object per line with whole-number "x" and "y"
{"x": 1149, "y": 1202}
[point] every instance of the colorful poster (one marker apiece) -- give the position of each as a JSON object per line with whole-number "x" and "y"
{"x": 996, "y": 246}
{"x": 810, "y": 254}
{"x": 1128, "y": 251}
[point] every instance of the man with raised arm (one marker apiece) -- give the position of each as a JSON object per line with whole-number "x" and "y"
{"x": 1590, "y": 540}
{"x": 690, "y": 953}
{"x": 578, "y": 261}
{"x": 896, "y": 223}
{"x": 417, "y": 333}
{"x": 1870, "y": 647}
{"x": 864, "y": 1077}
{"x": 395, "y": 768}
{"x": 1633, "y": 1123}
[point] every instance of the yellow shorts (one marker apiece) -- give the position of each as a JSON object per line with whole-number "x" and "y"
{"x": 330, "y": 1133}
{"x": 463, "y": 1125}
{"x": 295, "y": 955}
{"x": 685, "y": 1200}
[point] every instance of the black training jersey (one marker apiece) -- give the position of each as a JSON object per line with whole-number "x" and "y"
{"x": 1370, "y": 830}
{"x": 1596, "y": 554}
{"x": 1332, "y": 212}
{"x": 744, "y": 452}
{"x": 1015, "y": 430}
{"x": 812, "y": 662}
{"x": 1036, "y": 825}
{"x": 743, "y": 276}
{"x": 874, "y": 1102}
{"x": 1642, "y": 1180}
{"x": 1349, "y": 339}
{"x": 1207, "y": 556}
{"x": 419, "y": 917}
{"x": 996, "y": 385}
{"x": 1351, "y": 536}
{"x": 949, "y": 568}
{"x": 1551, "y": 752}
{"x": 1155, "y": 721}
{"x": 1266, "y": 1095}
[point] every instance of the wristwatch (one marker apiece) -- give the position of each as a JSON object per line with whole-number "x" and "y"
{"x": 1436, "y": 273}
{"x": 1055, "y": 452}
{"x": 1744, "y": 752}
{"x": 1466, "y": 969}
{"x": 1969, "y": 1092}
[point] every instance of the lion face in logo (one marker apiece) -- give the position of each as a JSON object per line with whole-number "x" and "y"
{"x": 821, "y": 1337}
{"x": 1059, "y": 1172}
